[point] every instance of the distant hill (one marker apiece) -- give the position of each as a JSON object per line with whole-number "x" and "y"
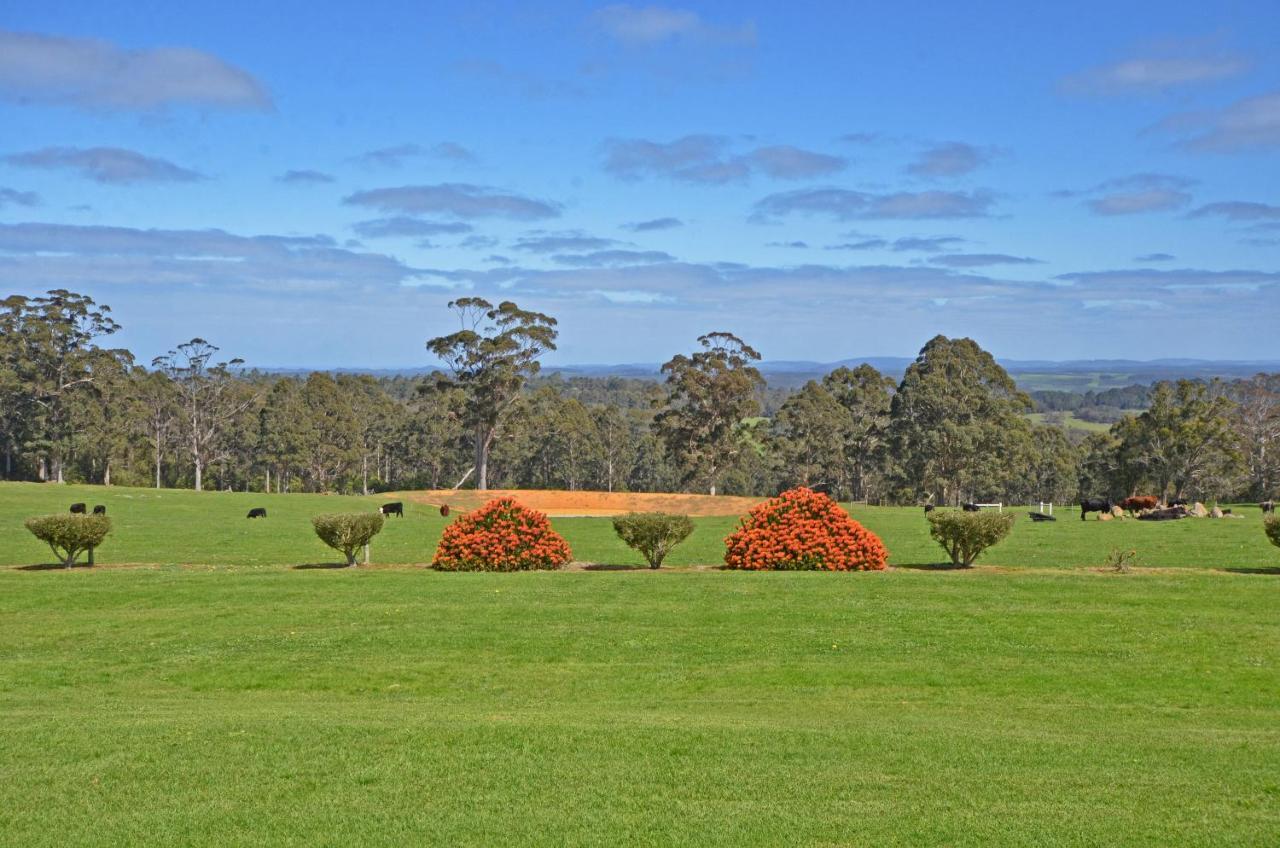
{"x": 1031, "y": 374}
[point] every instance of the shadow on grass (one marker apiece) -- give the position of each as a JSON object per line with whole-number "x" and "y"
{"x": 50, "y": 566}
{"x": 930, "y": 566}
{"x": 1272, "y": 570}
{"x": 311, "y": 566}
{"x": 604, "y": 566}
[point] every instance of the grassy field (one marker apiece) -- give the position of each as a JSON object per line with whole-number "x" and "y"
{"x": 1070, "y": 422}
{"x": 209, "y": 529}
{"x": 241, "y": 700}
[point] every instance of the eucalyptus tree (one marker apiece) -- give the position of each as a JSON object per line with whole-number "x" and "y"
{"x": 210, "y": 398}
{"x": 866, "y": 396}
{"x": 710, "y": 393}
{"x": 489, "y": 359}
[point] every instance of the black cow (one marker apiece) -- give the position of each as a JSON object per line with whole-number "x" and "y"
{"x": 99, "y": 510}
{"x": 257, "y": 512}
{"x": 1088, "y": 505}
{"x": 971, "y": 507}
{"x": 1177, "y": 502}
{"x": 928, "y": 508}
{"x": 396, "y": 508}
{"x": 1267, "y": 507}
{"x": 1173, "y": 513}
{"x": 77, "y": 509}
{"x": 1041, "y": 516}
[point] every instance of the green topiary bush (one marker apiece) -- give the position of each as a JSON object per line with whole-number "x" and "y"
{"x": 1271, "y": 526}
{"x": 965, "y": 535}
{"x": 653, "y": 534}
{"x": 68, "y": 536}
{"x": 348, "y": 532}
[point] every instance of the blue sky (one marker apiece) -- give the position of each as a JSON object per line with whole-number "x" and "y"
{"x": 310, "y": 186}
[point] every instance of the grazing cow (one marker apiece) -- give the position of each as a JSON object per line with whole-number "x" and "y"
{"x": 1041, "y": 516}
{"x": 444, "y": 510}
{"x": 1173, "y": 513}
{"x": 1268, "y": 507}
{"x": 257, "y": 512}
{"x": 971, "y": 507}
{"x": 99, "y": 510}
{"x": 928, "y": 508}
{"x": 1088, "y": 505}
{"x": 396, "y": 508}
{"x": 1139, "y": 503}
{"x": 77, "y": 509}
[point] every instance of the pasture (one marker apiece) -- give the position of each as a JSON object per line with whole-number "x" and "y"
{"x": 231, "y": 693}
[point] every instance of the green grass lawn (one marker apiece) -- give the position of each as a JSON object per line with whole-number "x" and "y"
{"x": 239, "y": 700}
{"x": 210, "y": 529}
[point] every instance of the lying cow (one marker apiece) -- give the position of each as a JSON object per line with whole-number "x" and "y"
{"x": 1177, "y": 502}
{"x": 1088, "y": 505}
{"x": 99, "y": 510}
{"x": 77, "y": 509}
{"x": 257, "y": 512}
{"x": 1041, "y": 516}
{"x": 971, "y": 507}
{"x": 396, "y": 508}
{"x": 1172, "y": 513}
{"x": 1139, "y": 503}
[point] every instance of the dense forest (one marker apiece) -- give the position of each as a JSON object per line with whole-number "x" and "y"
{"x": 953, "y": 429}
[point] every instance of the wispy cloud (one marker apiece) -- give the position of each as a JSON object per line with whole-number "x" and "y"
{"x": 95, "y": 74}
{"x": 706, "y": 159}
{"x": 304, "y": 177}
{"x": 561, "y": 242}
{"x": 461, "y": 200}
{"x": 1175, "y": 66}
{"x": 653, "y": 225}
{"x": 952, "y": 159}
{"x": 980, "y": 260}
{"x": 403, "y": 226}
{"x": 105, "y": 164}
{"x": 13, "y": 197}
{"x": 1239, "y": 210}
{"x": 647, "y": 26}
{"x": 1249, "y": 124}
{"x": 846, "y": 205}
{"x": 603, "y": 258}
{"x": 1155, "y": 257}
{"x": 396, "y": 155}
{"x": 1135, "y": 194}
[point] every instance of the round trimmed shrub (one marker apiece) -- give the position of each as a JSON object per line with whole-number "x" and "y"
{"x": 502, "y": 535}
{"x": 1271, "y": 526}
{"x": 348, "y": 532}
{"x": 653, "y": 534}
{"x": 69, "y": 535}
{"x": 803, "y": 530}
{"x": 965, "y": 535}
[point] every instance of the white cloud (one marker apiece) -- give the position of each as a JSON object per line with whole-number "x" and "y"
{"x": 105, "y": 164}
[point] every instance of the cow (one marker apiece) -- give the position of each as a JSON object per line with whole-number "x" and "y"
{"x": 1177, "y": 502}
{"x": 396, "y": 508}
{"x": 1088, "y": 505}
{"x": 928, "y": 508}
{"x": 1172, "y": 513}
{"x": 257, "y": 512}
{"x": 1139, "y": 503}
{"x": 444, "y": 511}
{"x": 99, "y": 510}
{"x": 1041, "y": 516}
{"x": 77, "y": 509}
{"x": 971, "y": 507}
{"x": 1268, "y": 507}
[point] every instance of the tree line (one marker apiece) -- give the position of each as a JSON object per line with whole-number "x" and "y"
{"x": 954, "y": 428}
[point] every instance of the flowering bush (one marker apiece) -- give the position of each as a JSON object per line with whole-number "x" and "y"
{"x": 502, "y": 535}
{"x": 803, "y": 530}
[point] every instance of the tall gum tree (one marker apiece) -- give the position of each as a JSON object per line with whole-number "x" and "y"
{"x": 489, "y": 360}
{"x": 709, "y": 395}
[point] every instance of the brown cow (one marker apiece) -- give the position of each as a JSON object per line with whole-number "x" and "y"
{"x": 1139, "y": 503}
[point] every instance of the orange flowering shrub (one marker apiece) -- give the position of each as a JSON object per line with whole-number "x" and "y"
{"x": 803, "y": 530}
{"x": 502, "y": 535}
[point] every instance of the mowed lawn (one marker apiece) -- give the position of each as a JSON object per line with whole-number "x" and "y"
{"x": 210, "y": 529}
{"x": 225, "y": 696}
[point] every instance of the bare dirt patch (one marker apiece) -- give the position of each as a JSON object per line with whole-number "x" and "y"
{"x": 558, "y": 502}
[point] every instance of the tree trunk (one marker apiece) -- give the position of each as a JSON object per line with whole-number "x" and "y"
{"x": 106, "y": 474}
{"x": 364, "y": 473}
{"x": 199, "y": 474}
{"x": 482, "y": 460}
{"x": 157, "y": 462}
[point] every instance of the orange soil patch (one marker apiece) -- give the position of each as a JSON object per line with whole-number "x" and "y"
{"x": 563, "y": 503}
